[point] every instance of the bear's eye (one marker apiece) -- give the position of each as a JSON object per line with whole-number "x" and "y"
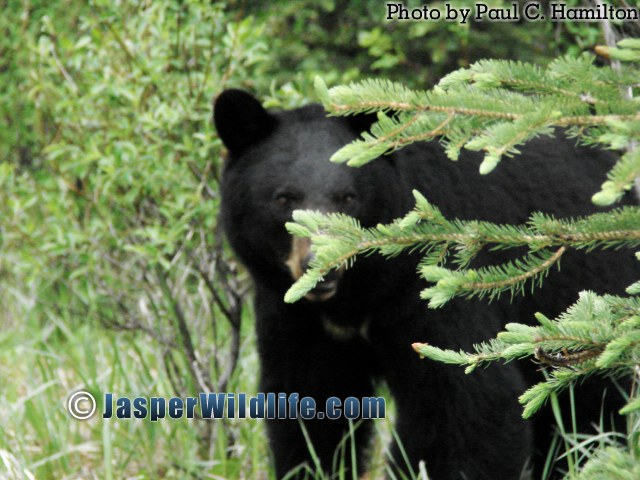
{"x": 285, "y": 198}
{"x": 346, "y": 197}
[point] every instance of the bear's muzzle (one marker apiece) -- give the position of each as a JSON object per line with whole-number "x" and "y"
{"x": 298, "y": 262}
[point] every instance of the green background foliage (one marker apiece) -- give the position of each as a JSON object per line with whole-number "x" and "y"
{"x": 113, "y": 275}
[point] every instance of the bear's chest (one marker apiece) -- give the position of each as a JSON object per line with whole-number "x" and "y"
{"x": 340, "y": 330}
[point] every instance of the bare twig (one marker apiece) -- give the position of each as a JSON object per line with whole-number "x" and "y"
{"x": 181, "y": 323}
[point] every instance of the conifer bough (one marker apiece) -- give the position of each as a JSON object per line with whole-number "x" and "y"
{"x": 494, "y": 107}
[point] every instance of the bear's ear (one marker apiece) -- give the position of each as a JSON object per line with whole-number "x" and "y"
{"x": 241, "y": 120}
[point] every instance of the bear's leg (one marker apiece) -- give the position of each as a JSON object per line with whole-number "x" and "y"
{"x": 299, "y": 356}
{"x": 461, "y": 426}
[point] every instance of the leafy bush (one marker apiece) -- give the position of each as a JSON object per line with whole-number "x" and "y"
{"x": 109, "y": 199}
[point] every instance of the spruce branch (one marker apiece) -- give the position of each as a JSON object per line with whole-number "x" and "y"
{"x": 337, "y": 240}
{"x": 495, "y": 106}
{"x": 597, "y": 335}
{"x": 612, "y": 462}
{"x": 491, "y": 281}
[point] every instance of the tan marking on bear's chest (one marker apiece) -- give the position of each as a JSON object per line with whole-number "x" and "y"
{"x": 345, "y": 332}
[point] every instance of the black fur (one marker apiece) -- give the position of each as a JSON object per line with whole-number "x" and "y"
{"x": 462, "y": 426}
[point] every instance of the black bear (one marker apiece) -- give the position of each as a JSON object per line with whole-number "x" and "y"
{"x": 356, "y": 327}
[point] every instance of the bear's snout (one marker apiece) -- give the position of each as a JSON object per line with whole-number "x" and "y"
{"x": 298, "y": 262}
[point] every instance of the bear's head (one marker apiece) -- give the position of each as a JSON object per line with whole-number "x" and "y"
{"x": 279, "y": 162}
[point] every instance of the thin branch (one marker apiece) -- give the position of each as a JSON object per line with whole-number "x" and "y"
{"x": 517, "y": 279}
{"x": 189, "y": 350}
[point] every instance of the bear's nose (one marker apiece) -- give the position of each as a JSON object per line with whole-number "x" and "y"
{"x": 329, "y": 277}
{"x": 299, "y": 261}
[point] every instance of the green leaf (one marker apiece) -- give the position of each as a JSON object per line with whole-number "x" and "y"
{"x": 631, "y": 407}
